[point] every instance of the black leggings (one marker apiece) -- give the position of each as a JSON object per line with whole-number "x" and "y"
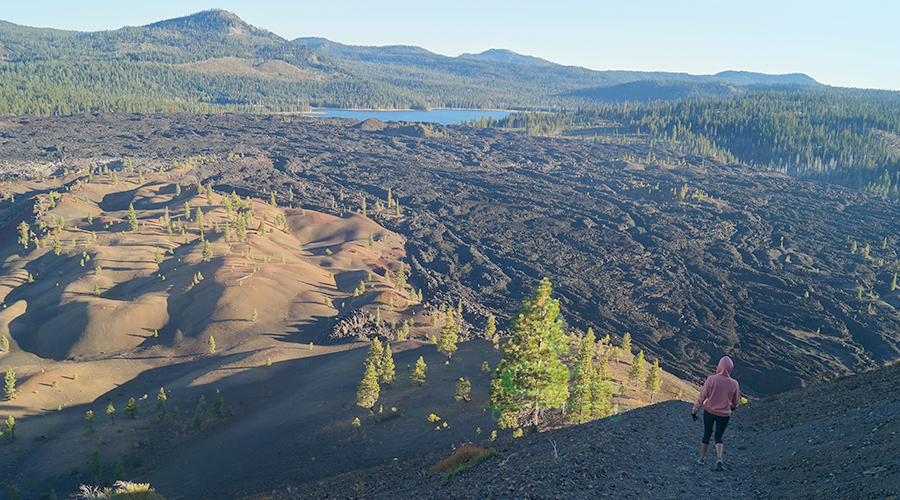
{"x": 708, "y": 420}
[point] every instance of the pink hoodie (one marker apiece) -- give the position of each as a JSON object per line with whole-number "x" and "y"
{"x": 721, "y": 392}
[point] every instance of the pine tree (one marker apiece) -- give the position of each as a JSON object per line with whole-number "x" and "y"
{"x": 96, "y": 466}
{"x": 387, "y": 374}
{"x": 89, "y": 421}
{"x": 417, "y": 375}
{"x": 9, "y": 387}
{"x": 375, "y": 355}
{"x": 10, "y": 429}
{"x": 132, "y": 218}
{"x": 240, "y": 227}
{"x": 463, "y": 387}
{"x": 218, "y": 401}
{"x": 578, "y": 409}
{"x": 653, "y": 382}
{"x": 490, "y": 327}
{"x": 531, "y": 378}
{"x": 4, "y": 343}
{"x": 614, "y": 353}
{"x": 207, "y": 250}
{"x": 57, "y": 245}
{"x": 158, "y": 257}
{"x": 211, "y": 343}
{"x": 449, "y": 336}
{"x": 160, "y": 410}
{"x": 603, "y": 370}
{"x": 626, "y": 343}
{"x": 367, "y": 390}
{"x": 254, "y": 316}
{"x": 400, "y": 277}
{"x": 636, "y": 373}
{"x": 893, "y": 284}
{"x": 111, "y": 412}
{"x": 131, "y": 409}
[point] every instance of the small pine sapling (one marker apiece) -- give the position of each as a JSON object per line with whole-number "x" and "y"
{"x": 463, "y": 387}
{"x": 417, "y": 375}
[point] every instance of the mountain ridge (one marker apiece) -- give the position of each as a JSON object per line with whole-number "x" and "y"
{"x": 182, "y": 64}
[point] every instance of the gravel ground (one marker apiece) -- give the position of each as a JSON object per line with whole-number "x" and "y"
{"x": 836, "y": 440}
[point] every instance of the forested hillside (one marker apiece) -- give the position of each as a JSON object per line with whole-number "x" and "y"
{"x": 505, "y": 80}
{"x": 213, "y": 61}
{"x": 207, "y": 62}
{"x": 851, "y": 138}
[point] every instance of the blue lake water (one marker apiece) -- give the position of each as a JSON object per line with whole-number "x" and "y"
{"x": 442, "y": 116}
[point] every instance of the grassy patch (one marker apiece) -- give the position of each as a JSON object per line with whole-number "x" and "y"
{"x": 465, "y": 457}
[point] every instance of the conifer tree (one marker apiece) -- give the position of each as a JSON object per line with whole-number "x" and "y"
{"x": 636, "y": 373}
{"x": 387, "y": 373}
{"x": 89, "y": 421}
{"x": 581, "y": 397}
{"x": 403, "y": 333}
{"x": 463, "y": 387}
{"x": 894, "y": 283}
{"x": 603, "y": 370}
{"x": 218, "y": 401}
{"x": 531, "y": 378}
{"x": 111, "y": 412}
{"x": 653, "y": 381}
{"x": 367, "y": 390}
{"x": 240, "y": 227}
{"x": 132, "y": 218}
{"x": 10, "y": 429}
{"x": 207, "y": 250}
{"x": 9, "y": 387}
{"x": 400, "y": 277}
{"x": 614, "y": 353}
{"x": 375, "y": 355}
{"x": 4, "y": 343}
{"x": 211, "y": 343}
{"x": 131, "y": 409}
{"x": 490, "y": 327}
{"x": 158, "y": 257}
{"x": 57, "y": 245}
{"x": 417, "y": 375}
{"x": 160, "y": 409}
{"x": 449, "y": 336}
{"x": 626, "y": 343}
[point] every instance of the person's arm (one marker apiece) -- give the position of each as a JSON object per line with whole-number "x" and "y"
{"x": 704, "y": 393}
{"x": 736, "y": 398}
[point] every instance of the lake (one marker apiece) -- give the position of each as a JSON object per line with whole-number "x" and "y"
{"x": 442, "y": 116}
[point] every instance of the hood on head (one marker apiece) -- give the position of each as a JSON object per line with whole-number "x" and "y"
{"x": 725, "y": 366}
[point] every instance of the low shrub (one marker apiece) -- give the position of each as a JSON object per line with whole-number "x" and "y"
{"x": 465, "y": 457}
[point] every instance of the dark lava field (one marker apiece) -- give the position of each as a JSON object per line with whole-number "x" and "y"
{"x": 694, "y": 257}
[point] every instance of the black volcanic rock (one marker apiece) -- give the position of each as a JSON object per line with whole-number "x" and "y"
{"x": 751, "y": 263}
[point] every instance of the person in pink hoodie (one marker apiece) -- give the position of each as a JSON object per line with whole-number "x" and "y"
{"x": 721, "y": 393}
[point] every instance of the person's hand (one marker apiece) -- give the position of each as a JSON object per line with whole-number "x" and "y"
{"x": 733, "y": 408}
{"x": 694, "y": 416}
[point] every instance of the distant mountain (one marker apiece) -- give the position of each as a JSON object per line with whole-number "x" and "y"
{"x": 749, "y": 78}
{"x": 508, "y": 56}
{"x": 215, "y": 61}
{"x": 659, "y": 90}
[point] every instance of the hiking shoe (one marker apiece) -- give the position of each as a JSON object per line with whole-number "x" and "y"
{"x": 701, "y": 461}
{"x": 720, "y": 465}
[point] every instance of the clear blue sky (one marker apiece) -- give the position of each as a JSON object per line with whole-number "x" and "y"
{"x": 847, "y": 44}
